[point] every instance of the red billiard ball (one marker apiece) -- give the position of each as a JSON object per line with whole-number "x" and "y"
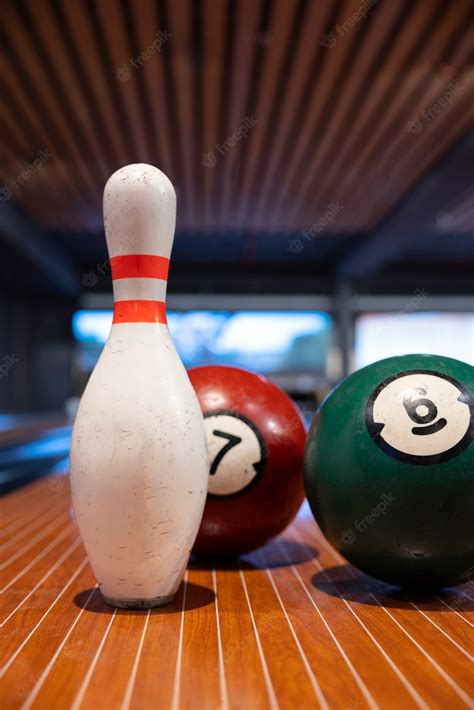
{"x": 255, "y": 437}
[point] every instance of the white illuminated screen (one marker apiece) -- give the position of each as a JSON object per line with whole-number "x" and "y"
{"x": 378, "y": 336}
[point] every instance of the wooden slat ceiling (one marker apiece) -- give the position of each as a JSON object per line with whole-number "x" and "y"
{"x": 339, "y": 107}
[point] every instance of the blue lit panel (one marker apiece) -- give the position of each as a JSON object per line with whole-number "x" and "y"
{"x": 266, "y": 341}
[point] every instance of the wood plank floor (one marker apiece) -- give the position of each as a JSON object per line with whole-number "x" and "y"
{"x": 289, "y": 626}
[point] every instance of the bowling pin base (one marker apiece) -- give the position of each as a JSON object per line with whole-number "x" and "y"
{"x": 139, "y": 603}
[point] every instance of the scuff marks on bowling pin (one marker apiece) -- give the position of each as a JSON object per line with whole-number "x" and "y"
{"x": 138, "y": 443}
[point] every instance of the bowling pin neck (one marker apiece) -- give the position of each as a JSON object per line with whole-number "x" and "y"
{"x": 139, "y": 218}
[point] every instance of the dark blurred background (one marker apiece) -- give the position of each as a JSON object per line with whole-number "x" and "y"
{"x": 322, "y": 152}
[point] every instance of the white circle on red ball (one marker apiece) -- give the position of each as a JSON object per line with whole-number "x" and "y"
{"x": 235, "y": 445}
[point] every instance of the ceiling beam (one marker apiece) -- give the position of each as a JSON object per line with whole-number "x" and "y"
{"x": 415, "y": 218}
{"x": 21, "y": 234}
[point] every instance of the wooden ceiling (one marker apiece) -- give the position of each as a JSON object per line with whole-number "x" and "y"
{"x": 262, "y": 112}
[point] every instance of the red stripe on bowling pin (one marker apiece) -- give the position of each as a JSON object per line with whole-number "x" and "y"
{"x": 144, "y": 266}
{"x": 139, "y": 266}
{"x": 139, "y": 312}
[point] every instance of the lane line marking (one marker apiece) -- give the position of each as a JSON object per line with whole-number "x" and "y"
{"x": 179, "y": 657}
{"x": 48, "y": 529}
{"x": 222, "y": 677}
{"x": 313, "y": 680}
{"x": 31, "y": 697}
{"x": 57, "y": 564}
{"x": 23, "y": 644}
{"x": 54, "y": 543}
{"x": 450, "y": 681}
{"x": 400, "y": 675}
{"x": 268, "y": 681}
{"x": 76, "y": 704}
{"x": 360, "y": 683}
{"x": 451, "y": 608}
{"x": 133, "y": 675}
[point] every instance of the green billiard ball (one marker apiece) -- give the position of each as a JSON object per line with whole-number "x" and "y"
{"x": 389, "y": 470}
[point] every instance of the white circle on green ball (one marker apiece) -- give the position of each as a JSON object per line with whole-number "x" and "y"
{"x": 389, "y": 409}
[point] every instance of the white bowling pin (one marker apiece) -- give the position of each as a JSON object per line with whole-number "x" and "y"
{"x": 139, "y": 466}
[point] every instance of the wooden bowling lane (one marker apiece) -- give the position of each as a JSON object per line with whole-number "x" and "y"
{"x": 291, "y": 625}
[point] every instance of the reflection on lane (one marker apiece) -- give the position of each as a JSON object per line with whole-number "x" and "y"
{"x": 43, "y": 453}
